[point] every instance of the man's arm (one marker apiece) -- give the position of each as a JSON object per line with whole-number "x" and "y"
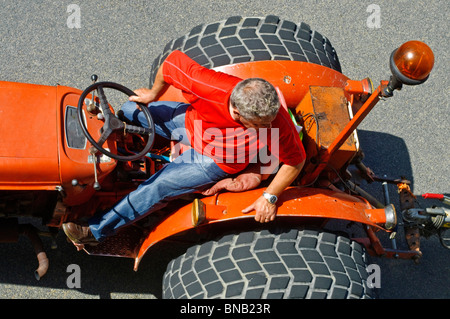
{"x": 145, "y": 95}
{"x": 266, "y": 212}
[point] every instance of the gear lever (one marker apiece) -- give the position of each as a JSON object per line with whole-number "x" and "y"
{"x": 93, "y": 151}
{"x": 91, "y": 107}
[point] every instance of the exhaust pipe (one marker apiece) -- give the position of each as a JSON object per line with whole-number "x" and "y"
{"x": 30, "y": 232}
{"x": 9, "y": 233}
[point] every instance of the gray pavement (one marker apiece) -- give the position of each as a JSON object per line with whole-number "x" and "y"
{"x": 118, "y": 40}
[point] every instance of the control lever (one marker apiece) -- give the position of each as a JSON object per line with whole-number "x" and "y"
{"x": 93, "y": 152}
{"x": 91, "y": 107}
{"x": 441, "y": 197}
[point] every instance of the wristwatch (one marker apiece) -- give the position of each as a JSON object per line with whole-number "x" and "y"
{"x": 272, "y": 199}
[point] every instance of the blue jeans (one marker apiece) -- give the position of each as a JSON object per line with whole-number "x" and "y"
{"x": 188, "y": 173}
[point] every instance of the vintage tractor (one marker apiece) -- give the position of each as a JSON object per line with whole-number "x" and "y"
{"x": 79, "y": 156}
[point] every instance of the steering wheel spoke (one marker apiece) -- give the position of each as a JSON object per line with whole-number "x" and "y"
{"x": 104, "y": 105}
{"x": 113, "y": 124}
{"x": 105, "y": 134}
{"x": 138, "y": 130}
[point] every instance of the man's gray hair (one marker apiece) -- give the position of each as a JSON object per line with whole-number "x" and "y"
{"x": 255, "y": 98}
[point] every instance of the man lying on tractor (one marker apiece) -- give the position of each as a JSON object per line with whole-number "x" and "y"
{"x": 222, "y": 124}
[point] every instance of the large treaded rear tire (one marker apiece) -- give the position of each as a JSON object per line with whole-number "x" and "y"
{"x": 244, "y": 39}
{"x": 257, "y": 265}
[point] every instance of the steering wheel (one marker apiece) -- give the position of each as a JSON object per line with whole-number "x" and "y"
{"x": 114, "y": 124}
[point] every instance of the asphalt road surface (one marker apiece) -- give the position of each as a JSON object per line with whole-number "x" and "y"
{"x": 44, "y": 43}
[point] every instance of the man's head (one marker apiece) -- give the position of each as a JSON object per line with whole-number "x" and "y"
{"x": 255, "y": 101}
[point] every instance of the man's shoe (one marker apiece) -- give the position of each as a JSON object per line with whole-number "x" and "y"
{"x": 79, "y": 233}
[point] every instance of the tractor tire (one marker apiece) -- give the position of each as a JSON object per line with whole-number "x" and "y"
{"x": 291, "y": 264}
{"x": 245, "y": 39}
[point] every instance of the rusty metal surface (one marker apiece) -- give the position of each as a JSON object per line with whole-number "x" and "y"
{"x": 324, "y": 114}
{"x": 330, "y": 107}
{"x": 412, "y": 234}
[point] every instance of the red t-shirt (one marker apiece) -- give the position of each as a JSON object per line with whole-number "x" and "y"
{"x": 211, "y": 129}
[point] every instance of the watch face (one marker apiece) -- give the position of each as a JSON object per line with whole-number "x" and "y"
{"x": 270, "y": 198}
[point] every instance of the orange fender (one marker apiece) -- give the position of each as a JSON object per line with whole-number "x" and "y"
{"x": 293, "y": 78}
{"x": 294, "y": 202}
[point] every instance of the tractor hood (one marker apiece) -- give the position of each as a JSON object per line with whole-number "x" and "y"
{"x": 29, "y": 138}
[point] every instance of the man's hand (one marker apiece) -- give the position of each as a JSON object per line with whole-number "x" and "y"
{"x": 241, "y": 183}
{"x": 265, "y": 212}
{"x": 144, "y": 96}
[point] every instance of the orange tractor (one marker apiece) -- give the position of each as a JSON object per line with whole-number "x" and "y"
{"x": 67, "y": 168}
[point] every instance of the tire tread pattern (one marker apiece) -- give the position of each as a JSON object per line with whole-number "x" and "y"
{"x": 282, "y": 264}
{"x": 244, "y": 39}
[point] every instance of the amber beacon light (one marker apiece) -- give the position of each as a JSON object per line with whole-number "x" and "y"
{"x": 410, "y": 64}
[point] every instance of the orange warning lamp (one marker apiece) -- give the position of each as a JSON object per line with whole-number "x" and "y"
{"x": 410, "y": 64}
{"x": 414, "y": 59}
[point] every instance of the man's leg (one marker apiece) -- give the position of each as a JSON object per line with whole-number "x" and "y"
{"x": 168, "y": 117}
{"x": 187, "y": 174}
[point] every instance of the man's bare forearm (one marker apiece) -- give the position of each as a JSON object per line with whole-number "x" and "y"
{"x": 159, "y": 85}
{"x": 145, "y": 95}
{"x": 284, "y": 177}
